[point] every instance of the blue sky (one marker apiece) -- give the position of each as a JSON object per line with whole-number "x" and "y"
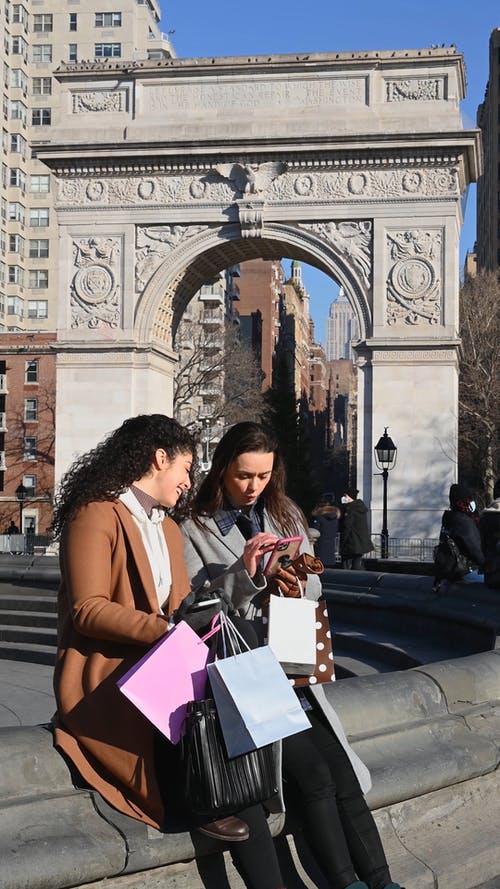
{"x": 223, "y": 28}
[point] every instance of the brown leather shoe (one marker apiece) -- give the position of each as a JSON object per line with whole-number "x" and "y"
{"x": 230, "y": 830}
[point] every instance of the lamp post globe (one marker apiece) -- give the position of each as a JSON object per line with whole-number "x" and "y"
{"x": 385, "y": 459}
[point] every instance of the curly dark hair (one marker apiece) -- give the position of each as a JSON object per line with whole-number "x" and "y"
{"x": 123, "y": 457}
{"x": 244, "y": 438}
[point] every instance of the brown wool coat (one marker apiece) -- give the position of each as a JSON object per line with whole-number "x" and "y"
{"x": 108, "y": 618}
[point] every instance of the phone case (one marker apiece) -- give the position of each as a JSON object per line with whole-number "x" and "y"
{"x": 285, "y": 546}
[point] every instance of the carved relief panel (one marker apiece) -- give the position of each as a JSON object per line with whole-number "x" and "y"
{"x": 414, "y": 285}
{"x": 95, "y": 294}
{"x": 275, "y": 182}
{"x": 154, "y": 243}
{"x": 353, "y": 241}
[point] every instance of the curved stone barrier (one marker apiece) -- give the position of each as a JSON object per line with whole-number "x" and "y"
{"x": 430, "y": 735}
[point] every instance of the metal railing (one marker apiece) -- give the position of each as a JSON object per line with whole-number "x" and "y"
{"x": 410, "y": 549}
{"x": 24, "y": 544}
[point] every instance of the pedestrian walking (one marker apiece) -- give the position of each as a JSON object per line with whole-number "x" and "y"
{"x": 355, "y": 539}
{"x": 326, "y": 521}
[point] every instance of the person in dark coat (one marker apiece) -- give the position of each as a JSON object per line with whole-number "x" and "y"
{"x": 461, "y": 525}
{"x": 489, "y": 530}
{"x": 326, "y": 520}
{"x": 353, "y": 526}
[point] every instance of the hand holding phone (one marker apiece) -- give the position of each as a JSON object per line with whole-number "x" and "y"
{"x": 284, "y": 551}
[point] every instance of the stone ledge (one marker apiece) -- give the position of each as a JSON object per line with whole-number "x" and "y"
{"x": 431, "y": 737}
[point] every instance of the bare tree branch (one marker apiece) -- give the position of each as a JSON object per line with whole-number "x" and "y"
{"x": 479, "y": 386}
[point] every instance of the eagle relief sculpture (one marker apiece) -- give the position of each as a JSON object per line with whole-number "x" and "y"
{"x": 251, "y": 179}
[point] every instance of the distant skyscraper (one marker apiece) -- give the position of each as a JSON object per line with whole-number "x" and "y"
{"x": 341, "y": 329}
{"x": 488, "y": 207}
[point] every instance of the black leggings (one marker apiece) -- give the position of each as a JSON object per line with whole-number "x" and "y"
{"x": 338, "y": 823}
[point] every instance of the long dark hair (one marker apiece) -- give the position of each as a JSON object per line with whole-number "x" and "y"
{"x": 244, "y": 438}
{"x": 123, "y": 457}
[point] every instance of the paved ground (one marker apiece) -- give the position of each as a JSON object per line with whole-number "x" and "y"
{"x": 26, "y": 696}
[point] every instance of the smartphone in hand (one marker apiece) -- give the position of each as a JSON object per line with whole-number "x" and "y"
{"x": 285, "y": 549}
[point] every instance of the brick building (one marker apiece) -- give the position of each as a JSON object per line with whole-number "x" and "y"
{"x": 27, "y": 434}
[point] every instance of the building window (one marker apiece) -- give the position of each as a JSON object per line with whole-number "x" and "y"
{"x": 30, "y": 448}
{"x": 38, "y": 308}
{"x": 18, "y": 111}
{"x": 73, "y": 52}
{"x": 108, "y": 19}
{"x": 41, "y": 117}
{"x": 18, "y": 79}
{"x": 39, "y": 279}
{"x": 31, "y": 371}
{"x": 41, "y": 86}
{"x": 42, "y": 53}
{"x": 17, "y": 178}
{"x": 42, "y": 22}
{"x": 29, "y": 482}
{"x": 16, "y": 212}
{"x": 108, "y": 50}
{"x": 39, "y": 248}
{"x": 31, "y": 410}
{"x": 39, "y": 217}
{"x": 16, "y": 244}
{"x": 40, "y": 183}
{"x": 19, "y": 14}
{"x": 73, "y": 21}
{"x": 20, "y": 47}
{"x": 15, "y": 276}
{"x": 15, "y": 306}
{"x": 18, "y": 144}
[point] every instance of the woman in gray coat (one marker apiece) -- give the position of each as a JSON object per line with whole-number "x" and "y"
{"x": 240, "y": 511}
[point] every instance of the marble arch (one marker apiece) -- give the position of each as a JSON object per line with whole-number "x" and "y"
{"x": 167, "y": 172}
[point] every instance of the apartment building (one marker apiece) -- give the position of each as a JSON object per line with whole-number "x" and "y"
{"x": 488, "y": 185}
{"x": 36, "y": 36}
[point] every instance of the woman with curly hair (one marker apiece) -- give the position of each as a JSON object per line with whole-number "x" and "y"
{"x": 241, "y": 509}
{"x": 122, "y": 578}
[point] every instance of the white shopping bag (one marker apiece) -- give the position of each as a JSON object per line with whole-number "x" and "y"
{"x": 255, "y": 701}
{"x": 292, "y": 634}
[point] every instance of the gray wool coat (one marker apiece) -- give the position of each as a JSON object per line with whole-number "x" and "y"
{"x": 215, "y": 561}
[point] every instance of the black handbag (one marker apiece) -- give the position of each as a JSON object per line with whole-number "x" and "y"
{"x": 449, "y": 562}
{"x": 214, "y": 785}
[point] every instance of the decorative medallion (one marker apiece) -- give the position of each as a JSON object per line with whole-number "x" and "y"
{"x": 413, "y": 284}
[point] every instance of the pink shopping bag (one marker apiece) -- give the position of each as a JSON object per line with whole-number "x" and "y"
{"x": 172, "y": 673}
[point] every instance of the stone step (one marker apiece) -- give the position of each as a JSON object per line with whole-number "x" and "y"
{"x": 347, "y": 666}
{"x": 28, "y": 618}
{"x": 45, "y": 603}
{"x": 32, "y": 654}
{"x": 29, "y": 635}
{"x": 400, "y": 651}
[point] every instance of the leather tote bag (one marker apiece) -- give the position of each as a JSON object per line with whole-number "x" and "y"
{"x": 215, "y": 785}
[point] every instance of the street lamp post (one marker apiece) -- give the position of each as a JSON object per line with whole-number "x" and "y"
{"x": 21, "y": 493}
{"x": 385, "y": 458}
